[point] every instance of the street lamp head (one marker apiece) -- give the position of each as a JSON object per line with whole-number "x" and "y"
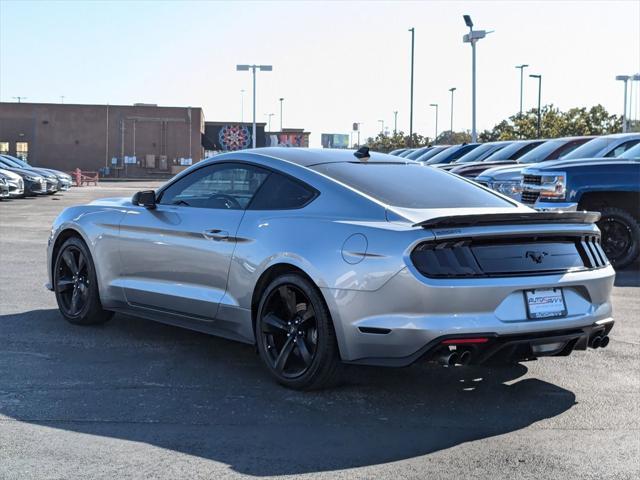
{"x": 467, "y": 21}
{"x": 242, "y": 68}
{"x": 624, "y": 78}
{"x": 536, "y": 76}
{"x": 265, "y": 68}
{"x": 524, "y": 65}
{"x": 433, "y": 104}
{"x": 452, "y": 89}
{"x": 281, "y": 99}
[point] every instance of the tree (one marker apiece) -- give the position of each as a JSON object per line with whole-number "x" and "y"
{"x": 554, "y": 123}
{"x": 386, "y": 143}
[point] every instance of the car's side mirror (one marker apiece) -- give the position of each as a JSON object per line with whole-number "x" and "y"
{"x": 145, "y": 198}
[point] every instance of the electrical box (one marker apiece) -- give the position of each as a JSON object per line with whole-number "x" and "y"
{"x": 150, "y": 161}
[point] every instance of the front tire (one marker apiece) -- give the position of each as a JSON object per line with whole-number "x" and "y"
{"x": 76, "y": 286}
{"x": 295, "y": 335}
{"x": 620, "y": 236}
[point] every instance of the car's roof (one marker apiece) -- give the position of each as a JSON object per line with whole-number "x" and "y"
{"x": 313, "y": 156}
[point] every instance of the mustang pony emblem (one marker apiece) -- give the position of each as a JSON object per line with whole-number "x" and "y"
{"x": 535, "y": 256}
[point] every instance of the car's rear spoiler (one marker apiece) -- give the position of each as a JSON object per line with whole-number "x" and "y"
{"x": 516, "y": 218}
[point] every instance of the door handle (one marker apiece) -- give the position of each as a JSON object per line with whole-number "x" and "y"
{"x": 216, "y": 234}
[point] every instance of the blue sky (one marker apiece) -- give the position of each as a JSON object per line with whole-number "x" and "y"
{"x": 334, "y": 62}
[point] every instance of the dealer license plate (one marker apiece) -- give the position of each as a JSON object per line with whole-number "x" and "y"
{"x": 545, "y": 303}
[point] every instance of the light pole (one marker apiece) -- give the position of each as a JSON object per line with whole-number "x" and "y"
{"x": 242, "y": 106}
{"x": 253, "y": 68}
{"x": 61, "y": 98}
{"x": 539, "y": 77}
{"x": 395, "y": 122}
{"x": 269, "y": 115}
{"x": 625, "y": 79}
{"x": 435, "y": 139}
{"x": 521, "y": 67}
{"x": 281, "y": 100}
{"x": 20, "y": 99}
{"x": 413, "y": 38}
{"x": 472, "y": 37}
{"x": 452, "y": 89}
{"x": 381, "y": 122}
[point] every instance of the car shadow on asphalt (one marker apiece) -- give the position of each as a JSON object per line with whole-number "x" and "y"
{"x": 629, "y": 277}
{"x": 204, "y": 396}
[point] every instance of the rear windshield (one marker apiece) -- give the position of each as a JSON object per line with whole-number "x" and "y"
{"x": 513, "y": 151}
{"x": 590, "y": 149}
{"x": 552, "y": 149}
{"x": 411, "y": 185}
{"x": 452, "y": 154}
{"x": 480, "y": 153}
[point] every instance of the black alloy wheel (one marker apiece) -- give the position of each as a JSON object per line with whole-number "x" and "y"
{"x": 620, "y": 236}
{"x": 75, "y": 285}
{"x": 72, "y": 282}
{"x": 295, "y": 335}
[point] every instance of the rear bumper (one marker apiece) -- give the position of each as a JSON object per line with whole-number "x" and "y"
{"x": 396, "y": 324}
{"x": 503, "y": 348}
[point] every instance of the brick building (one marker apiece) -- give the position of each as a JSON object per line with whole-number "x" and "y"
{"x": 140, "y": 140}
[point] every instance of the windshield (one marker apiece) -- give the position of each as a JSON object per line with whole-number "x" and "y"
{"x": 452, "y": 154}
{"x": 482, "y": 152}
{"x": 430, "y": 153}
{"x": 17, "y": 161}
{"x": 513, "y": 151}
{"x": 633, "y": 153}
{"x": 411, "y": 185}
{"x": 552, "y": 149}
{"x": 9, "y": 162}
{"x": 417, "y": 153}
{"x": 591, "y": 149}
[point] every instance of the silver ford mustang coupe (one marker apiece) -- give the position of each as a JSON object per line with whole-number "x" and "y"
{"x": 326, "y": 257}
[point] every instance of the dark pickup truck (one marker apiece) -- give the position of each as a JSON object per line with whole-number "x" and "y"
{"x": 608, "y": 186}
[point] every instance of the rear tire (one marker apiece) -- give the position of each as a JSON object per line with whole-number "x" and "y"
{"x": 295, "y": 335}
{"x": 76, "y": 286}
{"x": 620, "y": 236}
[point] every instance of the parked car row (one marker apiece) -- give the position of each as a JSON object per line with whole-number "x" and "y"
{"x": 570, "y": 173}
{"x": 18, "y": 179}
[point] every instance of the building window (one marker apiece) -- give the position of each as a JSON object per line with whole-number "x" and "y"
{"x": 4, "y": 148}
{"x": 22, "y": 150}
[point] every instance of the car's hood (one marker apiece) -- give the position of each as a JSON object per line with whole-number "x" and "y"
{"x": 487, "y": 165}
{"x": 113, "y": 202}
{"x": 10, "y": 174}
{"x": 57, "y": 173}
{"x": 579, "y": 162}
{"x": 508, "y": 172}
{"x": 23, "y": 171}
{"x": 43, "y": 172}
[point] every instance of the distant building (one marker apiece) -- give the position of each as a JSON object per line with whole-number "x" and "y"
{"x": 140, "y": 140}
{"x": 334, "y": 140}
{"x": 221, "y": 137}
{"x": 137, "y": 141}
{"x": 288, "y": 137}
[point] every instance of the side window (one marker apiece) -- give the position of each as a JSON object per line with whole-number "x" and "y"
{"x": 565, "y": 149}
{"x": 222, "y": 186}
{"x": 620, "y": 149}
{"x": 282, "y": 193}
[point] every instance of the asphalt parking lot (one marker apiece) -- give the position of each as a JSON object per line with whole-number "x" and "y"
{"x": 136, "y": 399}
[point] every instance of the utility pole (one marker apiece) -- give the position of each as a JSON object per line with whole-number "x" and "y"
{"x": 269, "y": 115}
{"x": 20, "y": 99}
{"x": 472, "y": 37}
{"x": 381, "y": 127}
{"x": 281, "y": 100}
{"x": 253, "y": 68}
{"x": 413, "y": 37}
{"x": 435, "y": 139}
{"x": 242, "y": 106}
{"x": 395, "y": 122}
{"x": 521, "y": 68}
{"x": 61, "y": 98}
{"x": 539, "y": 77}
{"x": 452, "y": 89}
